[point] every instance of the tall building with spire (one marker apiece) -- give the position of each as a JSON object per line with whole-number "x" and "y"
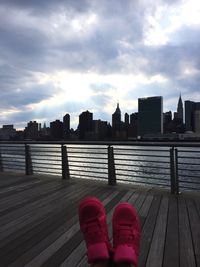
{"x": 180, "y": 109}
{"x": 116, "y": 119}
{"x": 116, "y": 123}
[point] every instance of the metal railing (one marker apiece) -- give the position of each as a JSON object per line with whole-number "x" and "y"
{"x": 174, "y": 166}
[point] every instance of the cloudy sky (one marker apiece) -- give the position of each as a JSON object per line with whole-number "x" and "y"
{"x": 66, "y": 56}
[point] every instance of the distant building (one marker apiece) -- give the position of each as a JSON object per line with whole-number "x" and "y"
{"x": 197, "y": 121}
{"x": 177, "y": 124}
{"x": 85, "y": 124}
{"x": 133, "y": 118}
{"x": 126, "y": 123}
{"x": 191, "y": 113}
{"x": 56, "y": 129}
{"x": 45, "y": 132}
{"x": 167, "y": 122}
{"x": 116, "y": 122}
{"x": 126, "y": 119}
{"x": 101, "y": 130}
{"x": 66, "y": 126}
{"x": 150, "y": 115}
{"x": 116, "y": 119}
{"x": 133, "y": 128}
{"x": 167, "y": 117}
{"x": 180, "y": 110}
{"x": 32, "y": 130}
{"x": 7, "y": 132}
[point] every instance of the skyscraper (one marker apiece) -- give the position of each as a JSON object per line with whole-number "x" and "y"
{"x": 180, "y": 109}
{"x": 56, "y": 129}
{"x": 126, "y": 119}
{"x": 133, "y": 129}
{"x": 167, "y": 122}
{"x": 191, "y": 114}
{"x": 116, "y": 123}
{"x": 116, "y": 119}
{"x": 85, "y": 124}
{"x": 197, "y": 121}
{"x": 32, "y": 130}
{"x": 150, "y": 115}
{"x": 66, "y": 126}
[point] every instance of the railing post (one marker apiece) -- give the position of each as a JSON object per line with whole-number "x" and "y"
{"x": 176, "y": 172}
{"x": 28, "y": 161}
{"x": 65, "y": 163}
{"x": 172, "y": 170}
{"x": 111, "y": 167}
{"x": 1, "y": 162}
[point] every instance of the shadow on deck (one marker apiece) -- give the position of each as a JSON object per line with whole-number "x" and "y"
{"x": 39, "y": 223}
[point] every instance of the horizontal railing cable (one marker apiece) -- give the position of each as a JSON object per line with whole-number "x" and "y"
{"x": 146, "y": 163}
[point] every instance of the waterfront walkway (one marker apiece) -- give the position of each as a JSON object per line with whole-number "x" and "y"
{"x": 39, "y": 223}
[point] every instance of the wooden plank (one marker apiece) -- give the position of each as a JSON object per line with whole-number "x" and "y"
{"x": 41, "y": 213}
{"x": 147, "y": 231}
{"x": 156, "y": 251}
{"x": 194, "y": 220}
{"x": 14, "y": 181}
{"x": 171, "y": 254}
{"x": 17, "y": 189}
{"x": 145, "y": 209}
{"x": 39, "y": 253}
{"x": 20, "y": 191}
{"x": 28, "y": 228}
{"x": 187, "y": 257}
{"x": 31, "y": 238}
{"x": 13, "y": 203}
{"x": 139, "y": 202}
{"x": 197, "y": 203}
{"x": 49, "y": 200}
{"x": 11, "y": 222}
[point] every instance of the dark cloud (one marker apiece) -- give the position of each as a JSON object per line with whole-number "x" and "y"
{"x": 20, "y": 97}
{"x": 47, "y": 6}
{"x": 38, "y": 46}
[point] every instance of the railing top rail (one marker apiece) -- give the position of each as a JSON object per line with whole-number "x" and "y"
{"x": 107, "y": 143}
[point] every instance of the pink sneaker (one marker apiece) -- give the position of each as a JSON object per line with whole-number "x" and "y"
{"x": 126, "y": 234}
{"x": 92, "y": 218}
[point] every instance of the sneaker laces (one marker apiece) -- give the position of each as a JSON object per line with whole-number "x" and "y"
{"x": 125, "y": 234}
{"x": 94, "y": 231}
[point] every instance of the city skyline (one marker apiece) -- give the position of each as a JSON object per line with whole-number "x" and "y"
{"x": 47, "y": 123}
{"x": 117, "y": 109}
{"x": 149, "y": 122}
{"x": 66, "y": 56}
{"x": 109, "y": 120}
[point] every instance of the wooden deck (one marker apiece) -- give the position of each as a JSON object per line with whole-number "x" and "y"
{"x": 39, "y": 223}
